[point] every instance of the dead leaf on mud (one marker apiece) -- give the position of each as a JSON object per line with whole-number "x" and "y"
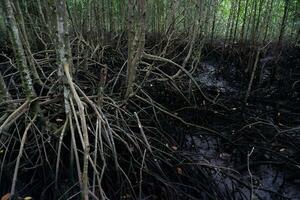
{"x": 179, "y": 170}
{"x": 174, "y": 148}
{"x": 225, "y": 156}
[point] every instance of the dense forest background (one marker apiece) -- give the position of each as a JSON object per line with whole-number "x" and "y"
{"x": 241, "y": 20}
{"x": 149, "y": 99}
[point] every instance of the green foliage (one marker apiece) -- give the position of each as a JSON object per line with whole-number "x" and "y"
{"x": 229, "y": 17}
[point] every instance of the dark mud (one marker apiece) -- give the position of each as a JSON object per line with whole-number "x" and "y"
{"x": 257, "y": 156}
{"x": 225, "y": 149}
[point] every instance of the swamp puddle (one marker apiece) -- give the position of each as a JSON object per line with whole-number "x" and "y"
{"x": 208, "y": 77}
{"x": 268, "y": 181}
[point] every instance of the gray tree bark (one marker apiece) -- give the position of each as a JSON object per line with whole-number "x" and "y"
{"x": 136, "y": 42}
{"x": 16, "y": 41}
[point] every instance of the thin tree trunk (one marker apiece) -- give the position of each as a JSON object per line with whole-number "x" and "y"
{"x": 233, "y": 18}
{"x": 4, "y": 94}
{"x": 135, "y": 42}
{"x": 253, "y": 24}
{"x": 174, "y": 8}
{"x": 229, "y": 23}
{"x": 19, "y": 50}
{"x": 63, "y": 48}
{"x": 283, "y": 23}
{"x": 244, "y": 20}
{"x": 215, "y": 10}
{"x": 252, "y": 76}
{"x": 267, "y": 22}
{"x": 25, "y": 41}
{"x": 256, "y": 36}
{"x": 237, "y": 20}
{"x": 130, "y": 66}
{"x": 297, "y": 18}
{"x": 65, "y": 71}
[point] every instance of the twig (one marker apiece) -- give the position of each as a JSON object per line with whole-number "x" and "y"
{"x": 59, "y": 152}
{"x": 143, "y": 133}
{"x": 141, "y": 175}
{"x": 250, "y": 174}
{"x": 14, "y": 180}
{"x": 14, "y": 116}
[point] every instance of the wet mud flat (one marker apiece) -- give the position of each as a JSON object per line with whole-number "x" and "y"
{"x": 251, "y": 179}
{"x": 251, "y": 148}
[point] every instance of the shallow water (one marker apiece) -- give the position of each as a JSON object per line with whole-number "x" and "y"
{"x": 208, "y": 77}
{"x": 269, "y": 181}
{"x": 266, "y": 179}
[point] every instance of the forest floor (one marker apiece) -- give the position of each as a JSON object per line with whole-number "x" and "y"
{"x": 256, "y": 148}
{"x": 259, "y": 140}
{"x": 248, "y": 150}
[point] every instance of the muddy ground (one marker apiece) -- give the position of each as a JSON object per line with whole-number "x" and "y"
{"x": 225, "y": 148}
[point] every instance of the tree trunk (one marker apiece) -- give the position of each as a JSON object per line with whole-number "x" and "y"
{"x": 136, "y": 42}
{"x": 4, "y": 94}
{"x": 237, "y": 20}
{"x": 30, "y": 59}
{"x": 244, "y": 20}
{"x": 267, "y": 20}
{"x": 283, "y": 23}
{"x": 16, "y": 41}
{"x": 65, "y": 73}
